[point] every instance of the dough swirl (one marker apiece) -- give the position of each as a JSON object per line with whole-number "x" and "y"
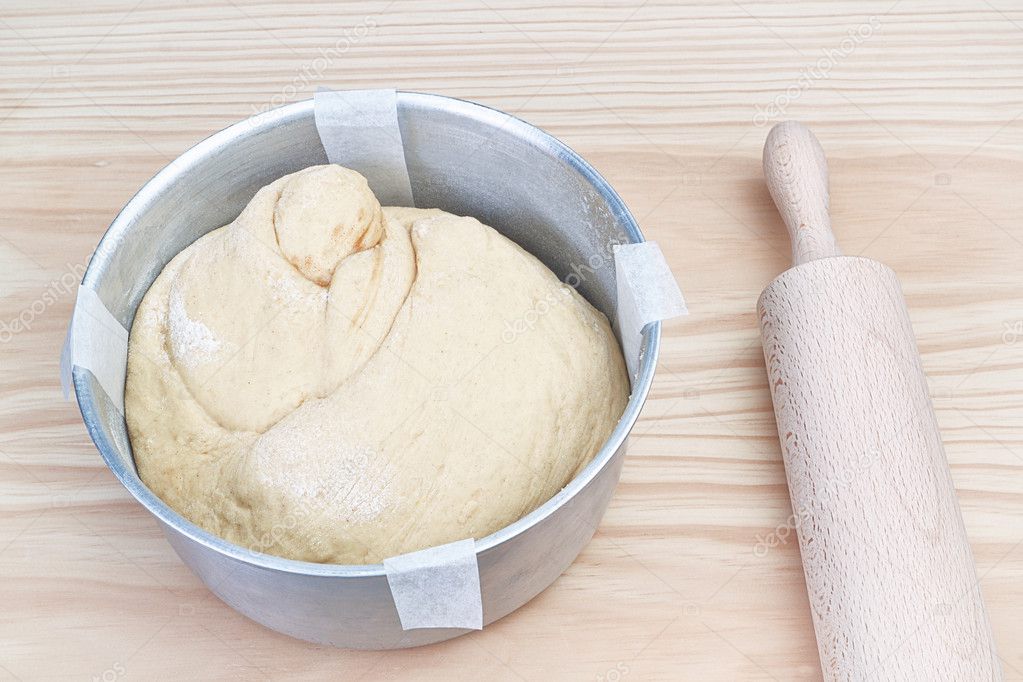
{"x": 327, "y": 380}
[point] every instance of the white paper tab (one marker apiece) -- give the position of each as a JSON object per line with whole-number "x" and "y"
{"x": 437, "y": 587}
{"x": 647, "y": 292}
{"x": 359, "y": 130}
{"x": 95, "y": 341}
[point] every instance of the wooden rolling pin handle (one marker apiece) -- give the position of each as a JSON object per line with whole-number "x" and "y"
{"x": 797, "y": 177}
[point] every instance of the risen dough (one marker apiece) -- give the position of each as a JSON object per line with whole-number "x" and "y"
{"x": 330, "y": 381}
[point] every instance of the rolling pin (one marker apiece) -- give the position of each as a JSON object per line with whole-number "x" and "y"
{"x": 893, "y": 590}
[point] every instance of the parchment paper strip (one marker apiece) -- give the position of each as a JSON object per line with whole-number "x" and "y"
{"x": 95, "y": 341}
{"x": 647, "y": 292}
{"x": 359, "y": 130}
{"x": 437, "y": 587}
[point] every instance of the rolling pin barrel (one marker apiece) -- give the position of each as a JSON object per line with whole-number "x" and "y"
{"x": 889, "y": 572}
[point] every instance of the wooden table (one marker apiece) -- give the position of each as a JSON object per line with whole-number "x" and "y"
{"x": 695, "y": 571}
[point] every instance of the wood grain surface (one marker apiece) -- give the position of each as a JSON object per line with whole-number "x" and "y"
{"x": 695, "y": 572}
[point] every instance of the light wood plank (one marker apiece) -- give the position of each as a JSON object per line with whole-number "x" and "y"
{"x": 923, "y": 125}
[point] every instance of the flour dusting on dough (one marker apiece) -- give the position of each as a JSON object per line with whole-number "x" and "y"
{"x": 192, "y": 340}
{"x": 287, "y": 292}
{"x": 320, "y": 459}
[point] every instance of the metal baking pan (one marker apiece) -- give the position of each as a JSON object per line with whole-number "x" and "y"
{"x": 466, "y": 159}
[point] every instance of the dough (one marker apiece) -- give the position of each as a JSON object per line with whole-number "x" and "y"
{"x": 330, "y": 381}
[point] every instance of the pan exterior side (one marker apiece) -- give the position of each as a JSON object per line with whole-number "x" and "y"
{"x": 889, "y": 572}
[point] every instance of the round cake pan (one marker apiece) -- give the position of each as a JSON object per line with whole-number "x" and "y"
{"x": 464, "y": 158}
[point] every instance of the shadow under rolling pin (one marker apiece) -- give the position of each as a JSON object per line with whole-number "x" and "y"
{"x": 893, "y": 590}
